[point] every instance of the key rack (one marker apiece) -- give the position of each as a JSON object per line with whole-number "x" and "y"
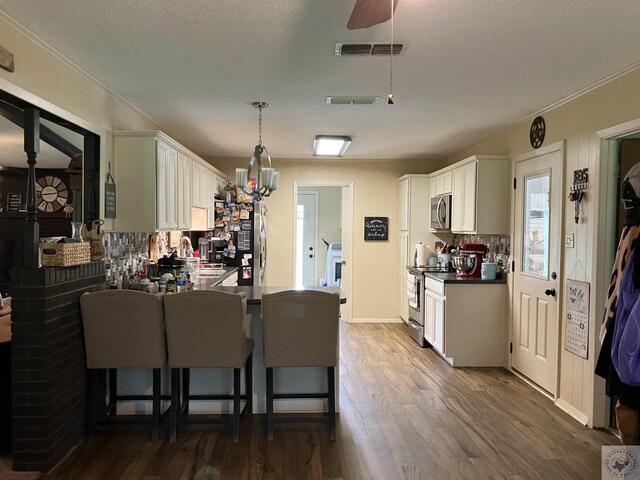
{"x": 577, "y": 190}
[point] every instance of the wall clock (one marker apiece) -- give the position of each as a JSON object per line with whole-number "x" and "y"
{"x": 51, "y": 194}
{"x": 537, "y": 131}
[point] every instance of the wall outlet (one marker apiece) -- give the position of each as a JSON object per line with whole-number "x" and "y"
{"x": 323, "y": 233}
{"x": 568, "y": 240}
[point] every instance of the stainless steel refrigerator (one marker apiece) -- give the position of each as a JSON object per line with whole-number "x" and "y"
{"x": 244, "y": 228}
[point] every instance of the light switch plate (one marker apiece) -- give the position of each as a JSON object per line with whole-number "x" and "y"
{"x": 568, "y": 240}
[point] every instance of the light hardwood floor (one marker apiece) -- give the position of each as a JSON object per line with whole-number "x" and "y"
{"x": 405, "y": 414}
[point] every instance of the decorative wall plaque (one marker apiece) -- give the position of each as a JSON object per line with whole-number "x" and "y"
{"x": 376, "y": 228}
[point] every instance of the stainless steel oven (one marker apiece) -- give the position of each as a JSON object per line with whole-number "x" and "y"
{"x": 415, "y": 298}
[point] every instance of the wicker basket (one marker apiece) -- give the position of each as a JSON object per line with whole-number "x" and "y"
{"x": 64, "y": 254}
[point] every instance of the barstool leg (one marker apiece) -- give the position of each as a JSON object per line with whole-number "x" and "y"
{"x": 269, "y": 404}
{"x": 186, "y": 382}
{"x": 236, "y": 404}
{"x": 156, "y": 405}
{"x": 248, "y": 383}
{"x": 113, "y": 392}
{"x": 92, "y": 380}
{"x": 175, "y": 403}
{"x": 331, "y": 380}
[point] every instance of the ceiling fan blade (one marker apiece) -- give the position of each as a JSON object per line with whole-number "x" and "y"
{"x": 368, "y": 13}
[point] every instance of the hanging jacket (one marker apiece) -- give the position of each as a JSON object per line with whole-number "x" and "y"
{"x": 625, "y": 348}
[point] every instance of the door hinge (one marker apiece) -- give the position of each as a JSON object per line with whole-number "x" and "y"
{"x": 514, "y": 183}
{"x": 513, "y": 265}
{"x": 511, "y": 347}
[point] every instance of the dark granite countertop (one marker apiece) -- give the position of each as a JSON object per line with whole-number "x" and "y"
{"x": 450, "y": 277}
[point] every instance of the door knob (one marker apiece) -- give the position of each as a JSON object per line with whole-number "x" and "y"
{"x": 550, "y": 291}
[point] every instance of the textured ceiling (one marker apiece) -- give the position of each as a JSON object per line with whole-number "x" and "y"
{"x": 472, "y": 67}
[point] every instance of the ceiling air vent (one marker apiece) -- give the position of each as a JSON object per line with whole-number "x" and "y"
{"x": 360, "y": 100}
{"x": 369, "y": 49}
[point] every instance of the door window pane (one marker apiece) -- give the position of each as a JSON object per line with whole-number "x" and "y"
{"x": 535, "y": 248}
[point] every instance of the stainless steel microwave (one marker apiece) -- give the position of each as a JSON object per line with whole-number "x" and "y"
{"x": 441, "y": 213}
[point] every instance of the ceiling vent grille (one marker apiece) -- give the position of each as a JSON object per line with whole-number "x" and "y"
{"x": 359, "y": 100}
{"x": 369, "y": 49}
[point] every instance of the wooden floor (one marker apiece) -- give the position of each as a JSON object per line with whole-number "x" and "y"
{"x": 405, "y": 414}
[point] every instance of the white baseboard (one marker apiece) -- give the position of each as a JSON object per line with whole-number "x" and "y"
{"x": 573, "y": 411}
{"x": 375, "y": 320}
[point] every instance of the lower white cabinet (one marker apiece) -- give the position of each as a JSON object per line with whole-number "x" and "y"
{"x": 465, "y": 322}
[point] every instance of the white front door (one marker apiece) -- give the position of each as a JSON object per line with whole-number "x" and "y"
{"x": 308, "y": 226}
{"x": 536, "y": 252}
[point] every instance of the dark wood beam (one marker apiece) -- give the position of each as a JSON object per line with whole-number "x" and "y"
{"x": 15, "y": 115}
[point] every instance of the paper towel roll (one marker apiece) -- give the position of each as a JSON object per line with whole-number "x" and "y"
{"x": 421, "y": 255}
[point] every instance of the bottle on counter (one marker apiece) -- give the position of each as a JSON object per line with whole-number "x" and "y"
{"x": 181, "y": 283}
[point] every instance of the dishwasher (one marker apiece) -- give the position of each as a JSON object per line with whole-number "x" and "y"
{"x": 415, "y": 297}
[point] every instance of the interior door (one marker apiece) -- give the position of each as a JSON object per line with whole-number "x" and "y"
{"x": 536, "y": 250}
{"x": 308, "y": 206}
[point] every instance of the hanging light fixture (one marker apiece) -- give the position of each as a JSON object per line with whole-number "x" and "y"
{"x": 390, "y": 96}
{"x": 267, "y": 179}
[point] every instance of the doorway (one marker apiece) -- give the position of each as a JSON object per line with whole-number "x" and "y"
{"x": 323, "y": 226}
{"x": 537, "y": 220}
{"x": 307, "y": 237}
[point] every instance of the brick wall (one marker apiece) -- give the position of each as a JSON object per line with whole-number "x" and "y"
{"x": 48, "y": 362}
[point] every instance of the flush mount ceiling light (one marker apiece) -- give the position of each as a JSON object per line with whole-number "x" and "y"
{"x": 267, "y": 179}
{"x": 330, "y": 145}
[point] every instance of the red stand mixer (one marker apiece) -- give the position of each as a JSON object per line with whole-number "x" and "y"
{"x": 468, "y": 261}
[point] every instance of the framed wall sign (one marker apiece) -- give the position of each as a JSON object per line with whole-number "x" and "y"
{"x": 110, "y": 196}
{"x": 376, "y": 228}
{"x": 14, "y": 200}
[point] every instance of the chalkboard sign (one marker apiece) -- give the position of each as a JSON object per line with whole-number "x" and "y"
{"x": 14, "y": 201}
{"x": 110, "y": 196}
{"x": 376, "y": 228}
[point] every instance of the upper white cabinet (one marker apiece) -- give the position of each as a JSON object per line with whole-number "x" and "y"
{"x": 166, "y": 191}
{"x": 404, "y": 204}
{"x": 184, "y": 194}
{"x": 443, "y": 183}
{"x": 155, "y": 182}
{"x": 479, "y": 194}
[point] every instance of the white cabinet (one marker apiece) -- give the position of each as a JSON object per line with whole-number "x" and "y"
{"x": 184, "y": 198}
{"x": 403, "y": 221}
{"x": 479, "y": 194}
{"x": 465, "y": 323}
{"x": 404, "y": 248}
{"x": 166, "y": 173}
{"x": 155, "y": 179}
{"x": 434, "y": 319}
{"x": 413, "y": 223}
{"x": 443, "y": 183}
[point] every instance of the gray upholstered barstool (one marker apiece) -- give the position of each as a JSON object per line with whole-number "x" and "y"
{"x": 208, "y": 329}
{"x": 123, "y": 329}
{"x": 301, "y": 330}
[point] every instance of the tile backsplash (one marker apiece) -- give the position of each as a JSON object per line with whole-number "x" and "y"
{"x": 499, "y": 245}
{"x": 126, "y": 253}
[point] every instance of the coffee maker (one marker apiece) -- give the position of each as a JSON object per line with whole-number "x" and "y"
{"x": 469, "y": 260}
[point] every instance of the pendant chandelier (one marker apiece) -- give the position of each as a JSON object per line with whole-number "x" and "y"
{"x": 267, "y": 179}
